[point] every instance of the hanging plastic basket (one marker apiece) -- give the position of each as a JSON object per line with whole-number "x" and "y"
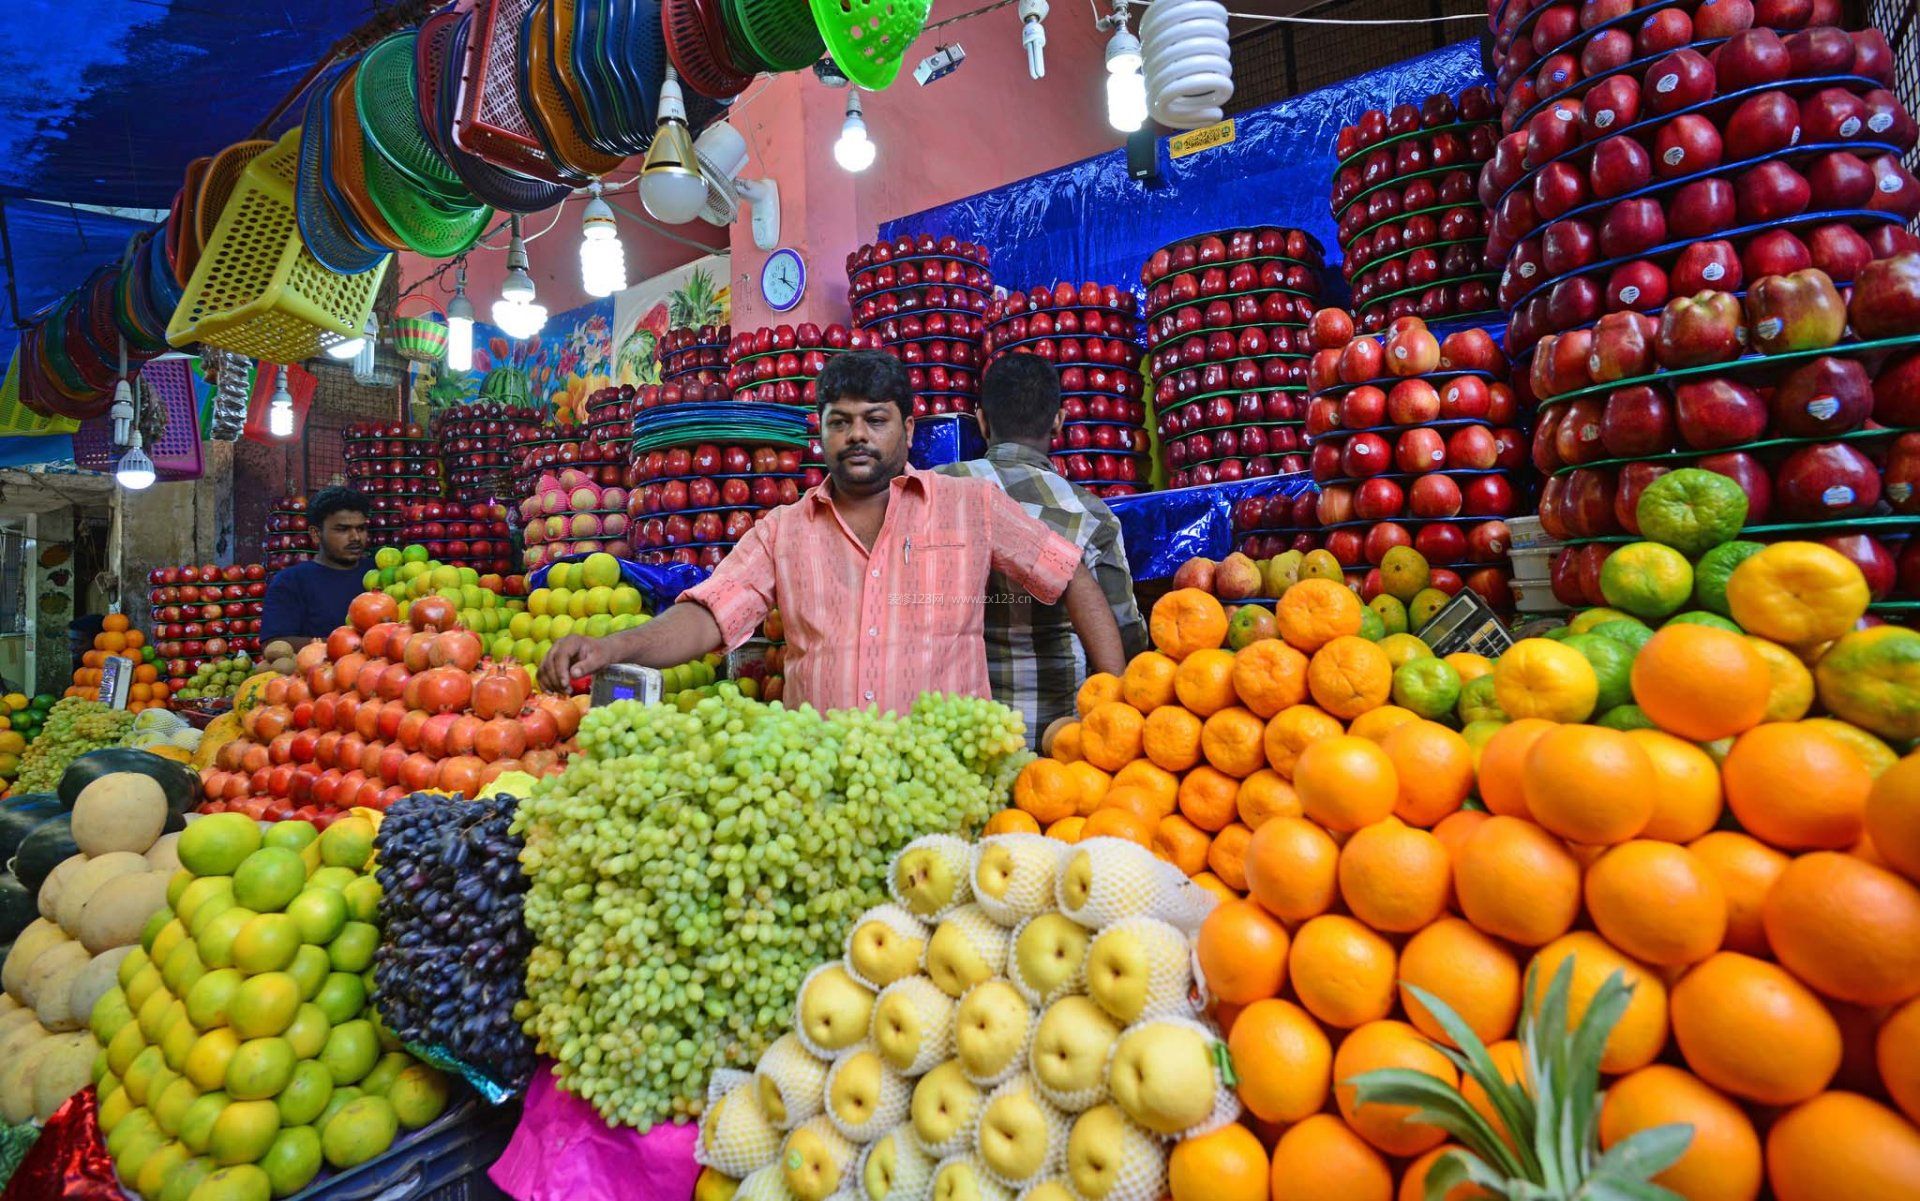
{"x": 418, "y": 339}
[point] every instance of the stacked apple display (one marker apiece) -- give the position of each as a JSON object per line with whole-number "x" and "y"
{"x": 690, "y": 504}
{"x": 1017, "y": 1022}
{"x": 1227, "y": 348}
{"x": 1808, "y": 401}
{"x": 204, "y": 613}
{"x": 1663, "y": 151}
{"x": 571, "y": 512}
{"x": 923, "y": 298}
{"x": 610, "y": 417}
{"x": 479, "y": 445}
{"x": 1416, "y": 442}
{"x": 1091, "y": 333}
{"x": 777, "y": 364}
{"x": 560, "y": 447}
{"x": 462, "y": 535}
{"x": 394, "y": 464}
{"x": 1265, "y": 526}
{"x": 695, "y": 357}
{"x": 1411, "y": 230}
{"x": 288, "y": 539}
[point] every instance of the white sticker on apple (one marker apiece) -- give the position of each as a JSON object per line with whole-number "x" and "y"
{"x": 1712, "y": 272}
{"x": 1880, "y": 122}
{"x": 1603, "y": 118}
{"x": 1563, "y": 114}
{"x": 1849, "y": 127}
{"x": 1674, "y": 156}
{"x": 1889, "y": 183}
{"x": 1666, "y": 83}
{"x": 1527, "y": 270}
{"x": 1899, "y": 493}
{"x": 1823, "y": 407}
{"x": 1630, "y": 293}
{"x": 1770, "y": 328}
{"x": 1837, "y": 496}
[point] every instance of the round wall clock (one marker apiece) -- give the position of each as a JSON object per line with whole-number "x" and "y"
{"x": 783, "y": 279}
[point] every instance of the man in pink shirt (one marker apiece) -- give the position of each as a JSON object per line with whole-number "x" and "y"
{"x": 880, "y": 573}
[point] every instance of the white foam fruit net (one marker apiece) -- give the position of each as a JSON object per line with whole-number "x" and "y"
{"x": 736, "y": 1137}
{"x": 1071, "y": 1045}
{"x": 966, "y": 948}
{"x": 1112, "y": 1159}
{"x": 885, "y": 945}
{"x": 894, "y": 1168}
{"x": 833, "y": 1011}
{"x": 816, "y": 1159}
{"x": 932, "y": 876}
{"x": 1105, "y": 880}
{"x": 1048, "y": 958}
{"x": 1140, "y": 967}
{"x": 865, "y": 1097}
{"x": 792, "y": 1082}
{"x": 1170, "y": 1075}
{"x": 1053, "y": 1188}
{"x": 1013, "y": 875}
{"x": 1022, "y": 1137}
{"x": 767, "y": 1184}
{"x": 992, "y": 1029}
{"x": 913, "y": 1025}
{"x": 945, "y": 1110}
{"x": 964, "y": 1178}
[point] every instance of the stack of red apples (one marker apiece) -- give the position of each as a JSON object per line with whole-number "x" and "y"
{"x": 462, "y": 534}
{"x": 204, "y": 613}
{"x": 922, "y": 298}
{"x": 1227, "y": 348}
{"x": 1264, "y": 526}
{"x": 1416, "y": 442}
{"x": 395, "y": 464}
{"x": 610, "y": 413}
{"x": 1091, "y": 333}
{"x": 288, "y": 540}
{"x": 479, "y": 444}
{"x": 690, "y": 357}
{"x": 1412, "y": 232}
{"x": 692, "y": 503}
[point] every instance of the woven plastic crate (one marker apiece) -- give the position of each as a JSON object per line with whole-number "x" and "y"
{"x": 176, "y": 456}
{"x": 256, "y": 290}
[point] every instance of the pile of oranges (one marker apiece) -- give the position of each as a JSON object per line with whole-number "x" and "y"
{"x": 118, "y": 637}
{"x": 1752, "y": 876}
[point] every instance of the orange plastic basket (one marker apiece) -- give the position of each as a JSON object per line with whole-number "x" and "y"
{"x": 491, "y": 121}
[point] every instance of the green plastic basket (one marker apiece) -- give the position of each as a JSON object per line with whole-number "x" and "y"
{"x": 869, "y": 39}
{"x": 739, "y": 49}
{"x": 419, "y": 338}
{"x": 783, "y": 33}
{"x": 389, "y": 109}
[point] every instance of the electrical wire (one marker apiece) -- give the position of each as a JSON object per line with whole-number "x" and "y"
{"x": 1359, "y": 20}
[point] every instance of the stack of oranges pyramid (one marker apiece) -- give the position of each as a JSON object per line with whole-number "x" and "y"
{"x": 118, "y": 637}
{"x": 1752, "y": 877}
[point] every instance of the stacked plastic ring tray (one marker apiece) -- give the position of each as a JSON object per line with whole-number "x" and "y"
{"x": 1227, "y": 348}
{"x": 1091, "y": 333}
{"x": 1412, "y": 232}
{"x": 924, "y": 297}
{"x": 706, "y": 473}
{"x": 395, "y": 464}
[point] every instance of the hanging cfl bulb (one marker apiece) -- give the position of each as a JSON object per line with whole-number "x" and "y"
{"x": 671, "y": 187}
{"x": 122, "y": 410}
{"x": 855, "y": 150}
{"x": 603, "y": 263}
{"x": 1126, "y": 86}
{"x": 135, "y": 470}
{"x": 1033, "y": 36}
{"x": 363, "y": 360}
{"x": 349, "y": 349}
{"x": 280, "y": 407}
{"x": 515, "y": 312}
{"x": 460, "y": 324}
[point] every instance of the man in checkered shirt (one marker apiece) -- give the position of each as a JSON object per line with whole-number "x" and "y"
{"x": 1034, "y": 662}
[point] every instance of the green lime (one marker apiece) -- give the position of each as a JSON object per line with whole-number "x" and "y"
{"x": 1647, "y": 579}
{"x": 1429, "y": 687}
{"x": 1612, "y": 667}
{"x": 1629, "y": 631}
{"x": 1625, "y": 717}
{"x": 1477, "y": 701}
{"x": 1691, "y": 510}
{"x": 1710, "y": 574}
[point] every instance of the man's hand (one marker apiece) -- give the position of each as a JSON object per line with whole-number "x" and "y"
{"x": 571, "y": 658}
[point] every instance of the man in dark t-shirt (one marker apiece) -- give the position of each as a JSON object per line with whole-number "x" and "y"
{"x": 309, "y": 600}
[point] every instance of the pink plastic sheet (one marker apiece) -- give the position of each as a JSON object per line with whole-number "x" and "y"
{"x": 562, "y": 1151}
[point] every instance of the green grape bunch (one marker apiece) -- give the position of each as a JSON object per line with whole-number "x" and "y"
{"x": 74, "y": 726}
{"x": 689, "y": 868}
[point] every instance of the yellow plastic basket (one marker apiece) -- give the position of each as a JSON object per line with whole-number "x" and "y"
{"x": 256, "y": 291}
{"x": 16, "y": 418}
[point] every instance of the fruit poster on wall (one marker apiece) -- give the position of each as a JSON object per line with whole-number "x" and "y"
{"x": 688, "y": 297}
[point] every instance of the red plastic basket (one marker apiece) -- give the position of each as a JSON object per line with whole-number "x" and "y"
{"x": 176, "y": 456}
{"x": 491, "y": 122}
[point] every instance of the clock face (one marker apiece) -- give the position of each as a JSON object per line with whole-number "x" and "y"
{"x": 783, "y": 280}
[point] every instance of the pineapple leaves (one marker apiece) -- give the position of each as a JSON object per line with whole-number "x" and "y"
{"x": 1513, "y": 1106}
{"x": 1645, "y": 1154}
{"x": 1436, "y": 1103}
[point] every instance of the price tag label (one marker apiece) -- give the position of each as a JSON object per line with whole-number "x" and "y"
{"x": 116, "y": 678}
{"x": 1196, "y": 140}
{"x": 1466, "y": 623}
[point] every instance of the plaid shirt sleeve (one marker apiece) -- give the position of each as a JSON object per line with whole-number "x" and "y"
{"x": 740, "y": 591}
{"x": 1025, "y": 550}
{"x": 1107, "y": 558}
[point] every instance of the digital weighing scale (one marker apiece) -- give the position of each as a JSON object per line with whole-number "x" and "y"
{"x": 625, "y": 682}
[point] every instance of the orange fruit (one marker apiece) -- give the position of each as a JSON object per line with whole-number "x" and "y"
{"x": 1589, "y": 784}
{"x": 1658, "y": 902}
{"x": 1797, "y": 788}
{"x": 1291, "y": 868}
{"x": 1283, "y": 1059}
{"x": 1097, "y": 689}
{"x": 1503, "y": 762}
{"x": 1641, "y": 1033}
{"x": 1046, "y": 789}
{"x": 1227, "y": 856}
{"x": 1207, "y": 798}
{"x": 1171, "y": 738}
{"x": 1067, "y": 829}
{"x": 1066, "y": 743}
{"x": 1475, "y": 975}
{"x": 1269, "y": 675}
{"x": 1158, "y": 783}
{"x": 1537, "y": 677}
{"x": 1389, "y": 1044}
{"x": 1349, "y": 676}
{"x": 115, "y": 623}
{"x": 1897, "y": 1055}
{"x": 1395, "y": 877}
{"x": 1292, "y": 730}
{"x": 1893, "y": 816}
{"x": 1345, "y": 782}
{"x": 1187, "y": 620}
{"x": 1147, "y": 683}
{"x": 1749, "y": 1028}
{"x": 1011, "y": 821}
{"x": 1721, "y": 1163}
{"x": 1686, "y": 791}
{"x": 1315, "y": 612}
{"x": 1413, "y": 1185}
{"x": 1204, "y": 681}
{"x": 1133, "y": 800}
{"x": 1790, "y": 684}
{"x": 1797, "y": 593}
{"x": 1746, "y": 869}
{"x": 1376, "y": 724}
{"x": 1218, "y": 888}
{"x": 1433, "y": 771}
{"x": 1511, "y": 1062}
{"x": 1227, "y": 1165}
{"x": 1454, "y": 830}
{"x": 1843, "y": 1147}
{"x": 1091, "y": 784}
{"x": 1341, "y": 971}
{"x": 1322, "y": 1157}
{"x": 1181, "y": 843}
{"x": 1119, "y": 823}
{"x": 1243, "y": 951}
{"x": 1516, "y": 881}
{"x": 1110, "y": 735}
{"x": 1233, "y": 740}
{"x": 1846, "y": 927}
{"x": 1700, "y": 682}
{"x": 1264, "y": 795}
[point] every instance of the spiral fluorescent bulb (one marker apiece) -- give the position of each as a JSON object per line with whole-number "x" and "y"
{"x": 1189, "y": 67}
{"x": 1126, "y": 87}
{"x": 460, "y": 326}
{"x": 603, "y": 263}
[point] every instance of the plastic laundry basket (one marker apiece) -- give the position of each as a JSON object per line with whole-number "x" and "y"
{"x": 256, "y": 290}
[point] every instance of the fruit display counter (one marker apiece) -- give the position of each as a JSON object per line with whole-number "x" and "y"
{"x": 1227, "y": 348}
{"x": 479, "y": 445}
{"x": 1092, "y": 334}
{"x": 394, "y": 465}
{"x": 287, "y": 539}
{"x": 1412, "y": 234}
{"x": 923, "y": 299}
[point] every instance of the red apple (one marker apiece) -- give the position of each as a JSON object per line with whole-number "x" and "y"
{"x": 1771, "y": 191}
{"x": 1618, "y": 165}
{"x": 1701, "y": 207}
{"x": 1751, "y": 58}
{"x": 1633, "y": 226}
{"x": 1687, "y": 145}
{"x": 1434, "y": 495}
{"x": 1638, "y": 285}
{"x": 1712, "y": 413}
{"x": 1774, "y": 252}
{"x": 1886, "y": 297}
{"x": 1419, "y": 450}
{"x": 1638, "y": 422}
{"x": 1840, "y": 180}
{"x": 1826, "y": 482}
{"x": 1821, "y": 397}
{"x": 1705, "y": 267}
{"x": 1896, "y": 391}
{"x": 1632, "y": 481}
{"x": 1684, "y": 78}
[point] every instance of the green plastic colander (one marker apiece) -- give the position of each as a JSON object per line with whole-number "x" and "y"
{"x": 425, "y": 226}
{"x": 389, "y": 109}
{"x": 868, "y": 39}
{"x": 782, "y": 33}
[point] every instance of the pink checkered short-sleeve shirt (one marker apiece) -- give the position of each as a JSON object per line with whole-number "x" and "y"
{"x": 881, "y": 627}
